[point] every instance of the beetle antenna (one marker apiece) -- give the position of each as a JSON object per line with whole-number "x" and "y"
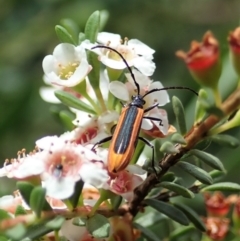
{"x": 124, "y": 60}
{"x": 171, "y": 88}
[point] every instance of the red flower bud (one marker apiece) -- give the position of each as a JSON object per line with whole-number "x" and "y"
{"x": 234, "y": 44}
{"x": 217, "y": 228}
{"x": 216, "y": 204}
{"x": 203, "y": 60}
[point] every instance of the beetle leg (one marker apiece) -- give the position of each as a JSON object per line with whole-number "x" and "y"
{"x": 151, "y": 107}
{"x": 150, "y": 145}
{"x": 101, "y": 141}
{"x": 154, "y": 118}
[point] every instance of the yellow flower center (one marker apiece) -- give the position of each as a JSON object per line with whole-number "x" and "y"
{"x": 66, "y": 71}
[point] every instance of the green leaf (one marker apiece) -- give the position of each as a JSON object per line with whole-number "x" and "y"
{"x": 196, "y": 172}
{"x": 104, "y": 16}
{"x": 115, "y": 201}
{"x": 177, "y": 189}
{"x": 81, "y": 37}
{"x": 74, "y": 199}
{"x": 168, "y": 147}
{"x": 192, "y": 216}
{"x": 146, "y": 233}
{"x": 177, "y": 138}
{"x": 37, "y": 199}
{"x": 67, "y": 117}
{"x": 72, "y": 101}
{"x": 181, "y": 232}
{"x": 20, "y": 210}
{"x": 25, "y": 189}
{"x": 71, "y": 27}
{"x": 222, "y": 186}
{"x": 3, "y": 238}
{"x": 63, "y": 35}
{"x": 79, "y": 221}
{"x": 167, "y": 177}
{"x": 180, "y": 115}
{"x": 209, "y": 159}
{"x": 94, "y": 74}
{"x": 169, "y": 210}
{"x": 226, "y": 140}
{"x": 56, "y": 223}
{"x": 92, "y": 27}
{"x": 214, "y": 110}
{"x": 16, "y": 233}
{"x": 98, "y": 226}
{"x": 200, "y": 110}
{"x": 215, "y": 174}
{"x": 4, "y": 214}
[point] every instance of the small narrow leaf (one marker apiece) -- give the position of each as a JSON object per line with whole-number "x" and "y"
{"x": 196, "y": 172}
{"x": 20, "y": 210}
{"x": 16, "y": 233}
{"x": 67, "y": 117}
{"x": 222, "y": 186}
{"x": 168, "y": 177}
{"x": 63, "y": 35}
{"x": 192, "y": 216}
{"x": 56, "y": 223}
{"x": 177, "y": 189}
{"x": 74, "y": 199}
{"x": 181, "y": 232}
{"x": 200, "y": 110}
{"x": 209, "y": 159}
{"x": 146, "y": 233}
{"x": 215, "y": 174}
{"x": 72, "y": 101}
{"x": 169, "y": 210}
{"x": 79, "y": 221}
{"x": 177, "y": 138}
{"x": 25, "y": 189}
{"x": 98, "y": 226}
{"x": 180, "y": 115}
{"x": 226, "y": 140}
{"x": 81, "y": 37}
{"x": 71, "y": 27}
{"x": 214, "y": 110}
{"x": 37, "y": 200}
{"x": 169, "y": 148}
{"x": 4, "y": 214}
{"x": 92, "y": 27}
{"x": 115, "y": 201}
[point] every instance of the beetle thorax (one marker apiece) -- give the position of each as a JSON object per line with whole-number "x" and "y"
{"x": 138, "y": 101}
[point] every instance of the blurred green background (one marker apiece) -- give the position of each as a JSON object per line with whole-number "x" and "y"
{"x": 27, "y": 35}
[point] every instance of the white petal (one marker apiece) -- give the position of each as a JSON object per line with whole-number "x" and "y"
{"x": 144, "y": 65}
{"x": 114, "y": 64}
{"x": 47, "y": 94}
{"x": 140, "y": 47}
{"x": 146, "y": 124}
{"x": 161, "y": 96}
{"x": 93, "y": 174}
{"x": 60, "y": 188}
{"x": 48, "y": 63}
{"x": 65, "y": 53}
{"x": 105, "y": 37}
{"x": 119, "y": 90}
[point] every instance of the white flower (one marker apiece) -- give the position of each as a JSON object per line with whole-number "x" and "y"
{"x": 126, "y": 91}
{"x": 65, "y": 163}
{"x": 90, "y": 129}
{"x": 23, "y": 166}
{"x": 135, "y": 52}
{"x": 67, "y": 66}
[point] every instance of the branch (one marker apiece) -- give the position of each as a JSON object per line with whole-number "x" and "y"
{"x": 196, "y": 134}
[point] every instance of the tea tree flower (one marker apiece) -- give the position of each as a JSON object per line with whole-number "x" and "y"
{"x": 135, "y": 52}
{"x": 67, "y": 66}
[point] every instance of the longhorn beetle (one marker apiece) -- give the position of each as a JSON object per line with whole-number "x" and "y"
{"x": 126, "y": 133}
